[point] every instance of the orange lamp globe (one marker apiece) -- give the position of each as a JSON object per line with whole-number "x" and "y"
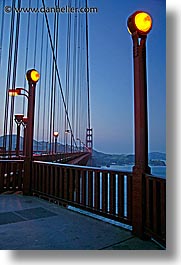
{"x": 140, "y": 22}
{"x": 32, "y": 76}
{"x": 143, "y": 22}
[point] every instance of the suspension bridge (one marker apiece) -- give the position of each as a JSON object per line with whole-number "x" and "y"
{"x": 47, "y": 137}
{"x": 62, "y": 95}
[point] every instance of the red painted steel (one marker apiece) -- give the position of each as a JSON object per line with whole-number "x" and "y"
{"x": 155, "y": 214}
{"x": 11, "y": 175}
{"x": 99, "y": 191}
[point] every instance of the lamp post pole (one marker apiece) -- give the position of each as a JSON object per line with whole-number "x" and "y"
{"x": 32, "y": 77}
{"x": 18, "y": 140}
{"x": 56, "y": 134}
{"x": 139, "y": 25}
{"x": 25, "y": 120}
{"x": 78, "y": 139}
{"x": 18, "y": 119}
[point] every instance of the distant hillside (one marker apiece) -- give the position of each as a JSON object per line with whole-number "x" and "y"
{"x": 102, "y": 159}
{"x": 98, "y": 158}
{"x": 37, "y": 145}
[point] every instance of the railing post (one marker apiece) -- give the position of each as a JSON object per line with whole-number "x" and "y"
{"x": 1, "y": 177}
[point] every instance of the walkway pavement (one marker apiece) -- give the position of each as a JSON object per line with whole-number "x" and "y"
{"x": 29, "y": 223}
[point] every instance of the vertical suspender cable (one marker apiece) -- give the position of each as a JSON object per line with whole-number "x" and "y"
{"x": 36, "y": 36}
{"x": 26, "y": 57}
{"x": 74, "y": 71}
{"x": 40, "y": 84}
{"x": 56, "y": 53}
{"x": 14, "y": 75}
{"x": 52, "y": 92}
{"x": 2, "y": 26}
{"x": 45, "y": 88}
{"x": 49, "y": 95}
{"x": 8, "y": 76}
{"x": 87, "y": 53}
{"x": 67, "y": 80}
{"x": 78, "y": 76}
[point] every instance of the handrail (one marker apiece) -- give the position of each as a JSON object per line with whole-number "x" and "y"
{"x": 104, "y": 192}
{"x": 82, "y": 167}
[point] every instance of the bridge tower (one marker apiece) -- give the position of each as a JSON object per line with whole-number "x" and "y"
{"x": 89, "y": 136}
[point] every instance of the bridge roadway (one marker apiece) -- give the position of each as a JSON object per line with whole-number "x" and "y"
{"x": 30, "y": 223}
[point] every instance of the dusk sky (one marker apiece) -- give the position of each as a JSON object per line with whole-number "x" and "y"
{"x": 111, "y": 74}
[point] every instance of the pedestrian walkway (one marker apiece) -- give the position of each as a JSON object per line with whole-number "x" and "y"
{"x": 29, "y": 223}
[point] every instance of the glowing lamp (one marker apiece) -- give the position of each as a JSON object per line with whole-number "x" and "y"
{"x": 14, "y": 92}
{"x": 56, "y": 134}
{"x": 140, "y": 22}
{"x": 32, "y": 76}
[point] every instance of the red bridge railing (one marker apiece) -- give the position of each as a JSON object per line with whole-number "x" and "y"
{"x": 11, "y": 175}
{"x": 108, "y": 193}
{"x": 155, "y": 210}
{"x": 104, "y": 192}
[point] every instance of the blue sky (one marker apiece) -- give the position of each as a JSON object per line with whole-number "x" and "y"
{"x": 111, "y": 74}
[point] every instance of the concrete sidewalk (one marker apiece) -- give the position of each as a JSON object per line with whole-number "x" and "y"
{"x": 29, "y": 223}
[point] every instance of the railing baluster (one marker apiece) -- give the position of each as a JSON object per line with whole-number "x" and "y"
{"x": 97, "y": 191}
{"x": 40, "y": 177}
{"x": 163, "y": 209}
{"x": 77, "y": 186}
{"x": 14, "y": 176}
{"x": 43, "y": 178}
{"x": 90, "y": 189}
{"x": 84, "y": 181}
{"x": 129, "y": 197}
{"x": 8, "y": 170}
{"x": 33, "y": 177}
{"x": 147, "y": 210}
{"x": 56, "y": 187}
{"x": 154, "y": 207}
{"x": 66, "y": 182}
{"x": 52, "y": 180}
{"x": 112, "y": 193}
{"x": 71, "y": 184}
{"x": 61, "y": 182}
{"x": 48, "y": 179}
{"x": 20, "y": 176}
{"x": 1, "y": 177}
{"x": 120, "y": 195}
{"x": 104, "y": 191}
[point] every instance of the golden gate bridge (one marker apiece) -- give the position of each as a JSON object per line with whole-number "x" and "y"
{"x": 52, "y": 104}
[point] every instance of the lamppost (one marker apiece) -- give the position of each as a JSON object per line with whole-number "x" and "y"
{"x": 139, "y": 25}
{"x": 18, "y": 119}
{"x": 56, "y": 134}
{"x": 32, "y": 77}
{"x": 24, "y": 123}
{"x": 66, "y": 132}
{"x": 78, "y": 139}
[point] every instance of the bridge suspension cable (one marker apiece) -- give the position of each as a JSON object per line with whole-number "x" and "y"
{"x": 39, "y": 42}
